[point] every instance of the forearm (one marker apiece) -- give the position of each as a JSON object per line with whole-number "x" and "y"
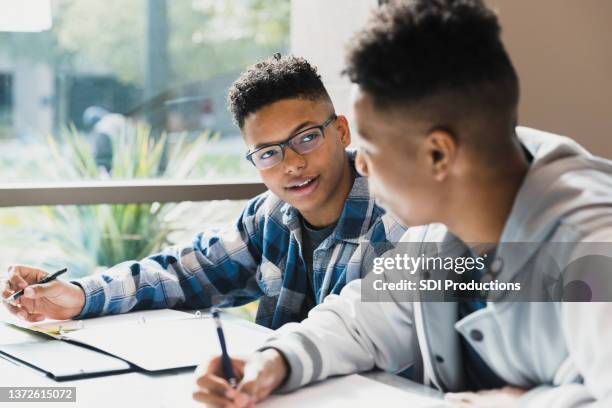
{"x": 343, "y": 336}
{"x": 178, "y": 277}
{"x": 128, "y": 285}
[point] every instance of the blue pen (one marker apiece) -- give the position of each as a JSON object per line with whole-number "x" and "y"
{"x": 225, "y": 358}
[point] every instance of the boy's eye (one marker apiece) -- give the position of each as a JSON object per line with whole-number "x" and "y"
{"x": 308, "y": 138}
{"x": 267, "y": 154}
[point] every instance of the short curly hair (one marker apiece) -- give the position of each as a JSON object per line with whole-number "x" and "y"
{"x": 412, "y": 50}
{"x": 272, "y": 80}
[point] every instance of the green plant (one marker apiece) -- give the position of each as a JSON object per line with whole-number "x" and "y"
{"x": 114, "y": 233}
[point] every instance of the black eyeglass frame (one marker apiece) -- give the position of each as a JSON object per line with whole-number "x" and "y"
{"x": 287, "y": 143}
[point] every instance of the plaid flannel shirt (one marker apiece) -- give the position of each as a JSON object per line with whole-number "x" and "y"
{"x": 259, "y": 257}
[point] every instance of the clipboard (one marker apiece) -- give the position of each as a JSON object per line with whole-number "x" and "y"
{"x": 153, "y": 340}
{"x": 63, "y": 361}
{"x": 171, "y": 344}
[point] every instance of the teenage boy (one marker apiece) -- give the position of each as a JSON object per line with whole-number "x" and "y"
{"x": 435, "y": 106}
{"x": 289, "y": 247}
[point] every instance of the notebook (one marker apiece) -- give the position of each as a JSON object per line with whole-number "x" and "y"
{"x": 152, "y": 340}
{"x": 64, "y": 361}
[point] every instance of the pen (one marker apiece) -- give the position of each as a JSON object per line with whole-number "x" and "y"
{"x": 225, "y": 358}
{"x": 46, "y": 279}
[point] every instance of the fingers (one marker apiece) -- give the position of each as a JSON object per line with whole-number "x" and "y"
{"x": 15, "y": 282}
{"x": 211, "y": 399}
{"x": 12, "y": 308}
{"x": 27, "y": 305}
{"x": 461, "y": 399}
{"x": 216, "y": 385}
{"x": 33, "y": 296}
{"x": 33, "y": 317}
{"x": 215, "y": 390}
{"x": 503, "y": 397}
{"x": 6, "y": 292}
{"x": 27, "y": 273}
{"x": 24, "y": 314}
{"x": 19, "y": 277}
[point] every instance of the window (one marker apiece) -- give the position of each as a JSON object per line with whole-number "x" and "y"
{"x": 143, "y": 80}
{"x": 109, "y": 74}
{"x": 90, "y": 238}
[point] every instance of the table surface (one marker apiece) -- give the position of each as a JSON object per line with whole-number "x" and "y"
{"x": 168, "y": 389}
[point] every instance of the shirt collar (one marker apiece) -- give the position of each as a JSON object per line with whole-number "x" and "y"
{"x": 356, "y": 215}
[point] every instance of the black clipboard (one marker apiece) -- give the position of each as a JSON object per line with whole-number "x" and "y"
{"x": 65, "y": 361}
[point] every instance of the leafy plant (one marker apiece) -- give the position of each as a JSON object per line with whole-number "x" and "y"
{"x": 117, "y": 232}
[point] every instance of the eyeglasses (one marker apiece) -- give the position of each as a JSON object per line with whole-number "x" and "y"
{"x": 303, "y": 142}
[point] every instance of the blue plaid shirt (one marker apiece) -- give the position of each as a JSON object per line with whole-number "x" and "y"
{"x": 259, "y": 257}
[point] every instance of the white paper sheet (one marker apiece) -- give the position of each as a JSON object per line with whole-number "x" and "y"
{"x": 52, "y": 327}
{"x": 160, "y": 345}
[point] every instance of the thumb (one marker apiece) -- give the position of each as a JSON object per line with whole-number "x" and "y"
{"x": 43, "y": 290}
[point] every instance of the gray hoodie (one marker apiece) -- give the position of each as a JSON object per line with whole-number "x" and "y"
{"x": 560, "y": 351}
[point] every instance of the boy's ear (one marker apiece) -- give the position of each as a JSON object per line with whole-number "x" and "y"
{"x": 344, "y": 130}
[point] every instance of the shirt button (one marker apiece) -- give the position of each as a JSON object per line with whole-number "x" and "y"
{"x": 476, "y": 335}
{"x": 497, "y": 265}
{"x": 439, "y": 358}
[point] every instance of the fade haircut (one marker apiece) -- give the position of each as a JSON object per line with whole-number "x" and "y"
{"x": 272, "y": 80}
{"x": 442, "y": 59}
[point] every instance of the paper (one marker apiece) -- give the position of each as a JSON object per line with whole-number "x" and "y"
{"x": 55, "y": 328}
{"x": 350, "y": 391}
{"x": 153, "y": 339}
{"x": 161, "y": 345}
{"x": 12, "y": 335}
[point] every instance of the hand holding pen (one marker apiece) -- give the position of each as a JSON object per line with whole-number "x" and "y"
{"x": 257, "y": 375}
{"x": 34, "y": 295}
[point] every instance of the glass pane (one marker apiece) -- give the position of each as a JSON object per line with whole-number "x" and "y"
{"x": 87, "y": 239}
{"x": 131, "y": 89}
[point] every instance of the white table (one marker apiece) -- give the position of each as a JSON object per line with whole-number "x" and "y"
{"x": 136, "y": 389}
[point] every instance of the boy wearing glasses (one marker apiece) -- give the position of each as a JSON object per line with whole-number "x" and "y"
{"x": 289, "y": 248}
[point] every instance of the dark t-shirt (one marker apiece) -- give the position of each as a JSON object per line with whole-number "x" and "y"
{"x": 311, "y": 239}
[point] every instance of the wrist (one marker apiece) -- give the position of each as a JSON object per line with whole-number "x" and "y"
{"x": 79, "y": 294}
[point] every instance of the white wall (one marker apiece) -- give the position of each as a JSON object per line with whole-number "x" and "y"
{"x": 561, "y": 50}
{"x": 320, "y": 30}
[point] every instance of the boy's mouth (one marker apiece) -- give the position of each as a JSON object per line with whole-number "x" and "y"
{"x": 303, "y": 186}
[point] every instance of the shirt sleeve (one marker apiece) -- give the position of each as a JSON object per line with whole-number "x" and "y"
{"x": 588, "y": 334}
{"x": 344, "y": 335}
{"x": 217, "y": 269}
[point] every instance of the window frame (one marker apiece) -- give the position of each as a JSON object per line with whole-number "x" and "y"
{"x": 125, "y": 192}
